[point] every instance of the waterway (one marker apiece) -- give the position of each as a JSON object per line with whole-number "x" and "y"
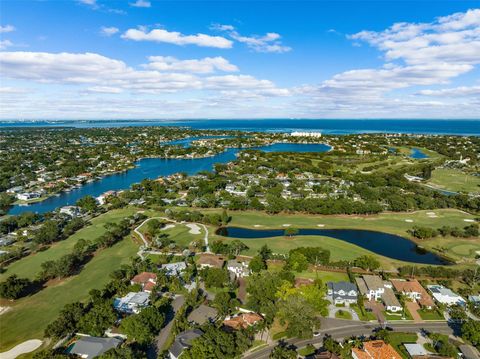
{"x": 385, "y": 244}
{"x": 153, "y": 168}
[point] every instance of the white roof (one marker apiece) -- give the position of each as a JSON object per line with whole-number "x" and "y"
{"x": 416, "y": 349}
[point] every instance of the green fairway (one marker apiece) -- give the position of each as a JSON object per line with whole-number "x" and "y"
{"x": 29, "y": 316}
{"x": 454, "y": 180}
{"x": 29, "y": 267}
{"x": 459, "y": 249}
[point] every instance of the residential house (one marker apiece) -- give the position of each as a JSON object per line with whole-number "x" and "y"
{"x": 183, "y": 341}
{"x": 415, "y": 350}
{"x": 324, "y": 354}
{"x": 91, "y": 347}
{"x": 25, "y": 196}
{"x": 72, "y": 211}
{"x": 414, "y": 290}
{"x": 475, "y": 299}
{"x": 445, "y": 296}
{"x": 342, "y": 292}
{"x": 390, "y": 301}
{"x": 203, "y": 314}
{"x": 374, "y": 288}
{"x": 242, "y": 321}
{"x": 210, "y": 261}
{"x": 133, "y": 302}
{"x": 375, "y": 349}
{"x": 371, "y": 286}
{"x": 174, "y": 269}
{"x": 238, "y": 269}
{"x": 147, "y": 281}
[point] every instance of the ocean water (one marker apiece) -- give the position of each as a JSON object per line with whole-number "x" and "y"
{"x": 452, "y": 127}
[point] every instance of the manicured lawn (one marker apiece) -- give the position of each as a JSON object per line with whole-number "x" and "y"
{"x": 430, "y": 314}
{"x": 343, "y": 314}
{"x": 29, "y": 316}
{"x": 30, "y": 266}
{"x": 454, "y": 180}
{"x": 398, "y": 339}
{"x": 308, "y": 350}
{"x": 324, "y": 276}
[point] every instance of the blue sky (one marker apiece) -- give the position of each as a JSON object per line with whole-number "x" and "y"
{"x": 89, "y": 59}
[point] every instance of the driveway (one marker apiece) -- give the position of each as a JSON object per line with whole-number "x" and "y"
{"x": 165, "y": 332}
{"x": 413, "y": 308}
{"x": 377, "y": 309}
{"x": 332, "y": 310}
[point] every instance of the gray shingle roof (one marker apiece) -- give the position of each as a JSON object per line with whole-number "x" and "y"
{"x": 94, "y": 346}
{"x": 184, "y": 341}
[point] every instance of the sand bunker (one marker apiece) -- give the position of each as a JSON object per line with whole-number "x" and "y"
{"x": 168, "y": 226}
{"x": 22, "y": 348}
{"x": 409, "y": 220}
{"x": 468, "y": 220}
{"x": 320, "y": 225}
{"x": 194, "y": 228}
{"x": 257, "y": 225}
{"x": 286, "y": 225}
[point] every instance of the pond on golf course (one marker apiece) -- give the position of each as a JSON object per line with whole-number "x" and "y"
{"x": 385, "y": 244}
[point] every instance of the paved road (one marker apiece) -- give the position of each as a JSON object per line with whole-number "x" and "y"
{"x": 340, "y": 329}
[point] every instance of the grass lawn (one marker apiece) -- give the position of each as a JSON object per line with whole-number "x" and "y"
{"x": 29, "y": 316}
{"x": 430, "y": 314}
{"x": 308, "y": 350}
{"x": 30, "y": 266}
{"x": 398, "y": 339}
{"x": 343, "y": 314}
{"x": 368, "y": 315}
{"x": 325, "y": 276}
{"x": 454, "y": 180}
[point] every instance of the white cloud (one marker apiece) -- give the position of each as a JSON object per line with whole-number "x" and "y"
{"x": 12, "y": 90}
{"x": 173, "y": 37}
{"x": 270, "y": 42}
{"x": 88, "y": 2}
{"x": 108, "y": 31}
{"x": 205, "y": 65}
{"x": 103, "y": 74}
{"x": 461, "y": 91}
{"x": 451, "y": 39}
{"x": 104, "y": 89}
{"x": 141, "y": 3}
{"x": 5, "y": 43}
{"x": 6, "y": 28}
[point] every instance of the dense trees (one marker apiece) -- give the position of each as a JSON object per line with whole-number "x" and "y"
{"x": 367, "y": 262}
{"x": 214, "y": 277}
{"x": 144, "y": 326}
{"x": 88, "y": 204}
{"x": 298, "y": 315}
{"x": 216, "y": 343}
{"x": 14, "y": 287}
{"x": 282, "y": 351}
{"x": 471, "y": 332}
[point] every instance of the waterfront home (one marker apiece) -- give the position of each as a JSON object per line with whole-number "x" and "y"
{"x": 238, "y": 269}
{"x": 133, "y": 302}
{"x": 174, "y": 269}
{"x": 183, "y": 341}
{"x": 342, "y": 292}
{"x": 147, "y": 281}
{"x": 71, "y": 211}
{"x": 371, "y": 286}
{"x": 88, "y": 347}
{"x": 25, "y": 196}
{"x": 445, "y": 296}
{"x": 414, "y": 290}
{"x": 241, "y": 321}
{"x": 375, "y": 349}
